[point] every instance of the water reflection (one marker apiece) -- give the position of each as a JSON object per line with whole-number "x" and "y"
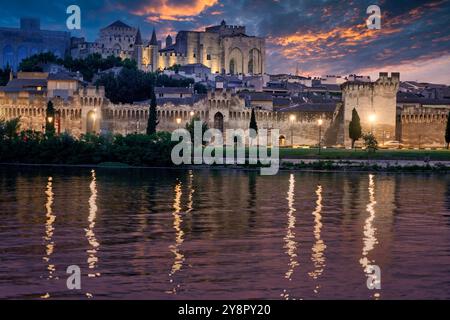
{"x": 49, "y": 231}
{"x": 290, "y": 244}
{"x": 179, "y": 238}
{"x": 92, "y": 259}
{"x": 370, "y": 239}
{"x": 318, "y": 249}
{"x": 190, "y": 204}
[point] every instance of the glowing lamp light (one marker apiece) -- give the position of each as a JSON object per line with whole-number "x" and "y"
{"x": 178, "y": 120}
{"x": 320, "y": 122}
{"x": 192, "y": 113}
{"x": 292, "y": 118}
{"x": 50, "y": 119}
{"x": 372, "y": 118}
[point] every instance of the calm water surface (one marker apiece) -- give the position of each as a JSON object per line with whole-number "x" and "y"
{"x": 155, "y": 234}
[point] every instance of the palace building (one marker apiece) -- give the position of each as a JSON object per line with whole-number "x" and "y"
{"x": 225, "y": 49}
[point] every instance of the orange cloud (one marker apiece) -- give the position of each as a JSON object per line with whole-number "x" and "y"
{"x": 166, "y": 10}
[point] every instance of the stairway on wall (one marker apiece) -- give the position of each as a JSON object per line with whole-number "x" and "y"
{"x": 334, "y": 136}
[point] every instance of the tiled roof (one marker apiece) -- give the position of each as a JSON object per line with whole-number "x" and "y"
{"x": 119, "y": 24}
{"x": 423, "y": 101}
{"x": 21, "y": 83}
{"x": 173, "y": 90}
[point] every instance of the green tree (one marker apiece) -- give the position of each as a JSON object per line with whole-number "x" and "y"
{"x": 355, "y": 130}
{"x": 447, "y": 131}
{"x": 370, "y": 142}
{"x": 9, "y": 128}
{"x": 253, "y": 125}
{"x": 35, "y": 62}
{"x": 153, "y": 116}
{"x": 50, "y": 119}
{"x": 191, "y": 126}
{"x": 200, "y": 88}
{"x": 4, "y": 76}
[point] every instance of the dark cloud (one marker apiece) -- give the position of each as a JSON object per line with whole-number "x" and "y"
{"x": 322, "y": 36}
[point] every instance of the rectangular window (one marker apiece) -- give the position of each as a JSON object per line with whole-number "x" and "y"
{"x": 208, "y": 57}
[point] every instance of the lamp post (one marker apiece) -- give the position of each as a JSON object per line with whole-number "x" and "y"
{"x": 178, "y": 123}
{"x": 292, "y": 119}
{"x": 320, "y": 123}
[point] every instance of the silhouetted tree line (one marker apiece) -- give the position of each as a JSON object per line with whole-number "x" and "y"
{"x": 39, "y": 148}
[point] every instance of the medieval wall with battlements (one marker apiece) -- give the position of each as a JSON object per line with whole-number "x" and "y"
{"x": 375, "y": 103}
{"x": 422, "y": 126}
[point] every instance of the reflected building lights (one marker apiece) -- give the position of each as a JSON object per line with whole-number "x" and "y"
{"x": 49, "y": 231}
{"x": 190, "y": 204}
{"x": 179, "y": 238}
{"x": 370, "y": 239}
{"x": 92, "y": 259}
{"x": 318, "y": 249}
{"x": 290, "y": 245}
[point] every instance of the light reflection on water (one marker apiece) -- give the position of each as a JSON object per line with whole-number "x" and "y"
{"x": 223, "y": 234}
{"x": 318, "y": 250}
{"x": 92, "y": 259}
{"x": 49, "y": 231}
{"x": 290, "y": 243}
{"x": 179, "y": 238}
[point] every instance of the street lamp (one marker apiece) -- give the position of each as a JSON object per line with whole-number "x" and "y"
{"x": 178, "y": 122}
{"x": 50, "y": 119}
{"x": 320, "y": 123}
{"x": 192, "y": 113}
{"x": 292, "y": 118}
{"x": 372, "y": 119}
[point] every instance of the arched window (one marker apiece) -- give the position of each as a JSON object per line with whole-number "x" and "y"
{"x": 232, "y": 66}
{"x": 218, "y": 121}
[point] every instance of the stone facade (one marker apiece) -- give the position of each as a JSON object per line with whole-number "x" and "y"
{"x": 17, "y": 44}
{"x": 85, "y": 109}
{"x": 422, "y": 125}
{"x": 223, "y": 49}
{"x": 375, "y": 103}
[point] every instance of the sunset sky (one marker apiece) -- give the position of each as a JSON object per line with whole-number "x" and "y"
{"x": 321, "y": 36}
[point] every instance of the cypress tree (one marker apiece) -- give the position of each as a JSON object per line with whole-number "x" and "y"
{"x": 355, "y": 130}
{"x": 253, "y": 123}
{"x": 153, "y": 117}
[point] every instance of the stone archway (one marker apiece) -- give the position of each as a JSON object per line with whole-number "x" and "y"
{"x": 218, "y": 121}
{"x": 236, "y": 61}
{"x": 232, "y": 66}
{"x": 282, "y": 141}
{"x": 254, "y": 61}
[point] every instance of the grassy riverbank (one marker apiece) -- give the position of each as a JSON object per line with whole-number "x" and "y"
{"x": 343, "y": 154}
